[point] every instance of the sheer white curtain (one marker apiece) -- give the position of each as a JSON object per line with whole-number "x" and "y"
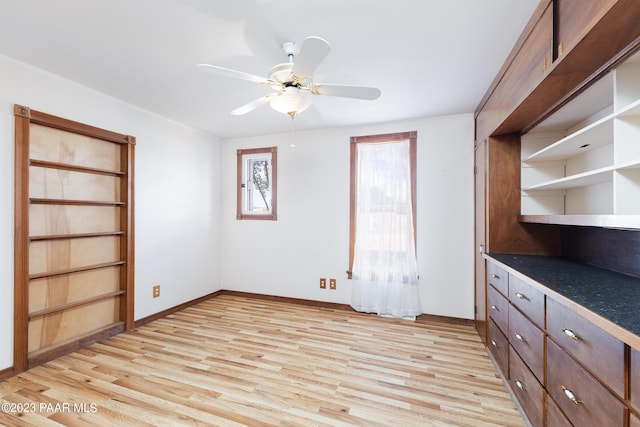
{"x": 385, "y": 277}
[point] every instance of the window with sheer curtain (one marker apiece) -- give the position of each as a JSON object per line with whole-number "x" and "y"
{"x": 383, "y": 263}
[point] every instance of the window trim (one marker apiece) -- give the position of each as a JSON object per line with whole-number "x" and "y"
{"x": 412, "y": 136}
{"x": 273, "y": 216}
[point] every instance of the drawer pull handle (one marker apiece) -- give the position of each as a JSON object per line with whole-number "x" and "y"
{"x": 493, "y": 307}
{"x": 521, "y": 296}
{"x": 520, "y": 385}
{"x": 495, "y": 276}
{"x": 571, "y": 396}
{"x": 571, "y": 334}
{"x": 519, "y": 337}
{"x": 494, "y": 343}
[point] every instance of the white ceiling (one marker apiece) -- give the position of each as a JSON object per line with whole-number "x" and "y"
{"x": 428, "y": 57}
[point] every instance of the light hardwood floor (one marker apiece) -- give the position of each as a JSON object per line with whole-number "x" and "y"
{"x": 233, "y": 360}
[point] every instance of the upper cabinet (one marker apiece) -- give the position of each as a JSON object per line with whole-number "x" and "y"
{"x": 584, "y": 160}
{"x": 565, "y": 45}
{"x": 526, "y": 70}
{"x": 573, "y": 19}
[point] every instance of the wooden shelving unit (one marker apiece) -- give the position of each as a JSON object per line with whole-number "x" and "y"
{"x": 582, "y": 165}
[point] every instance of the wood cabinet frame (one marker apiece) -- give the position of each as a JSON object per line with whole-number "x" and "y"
{"x": 24, "y": 118}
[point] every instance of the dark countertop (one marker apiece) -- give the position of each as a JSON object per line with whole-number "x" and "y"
{"x": 612, "y": 295}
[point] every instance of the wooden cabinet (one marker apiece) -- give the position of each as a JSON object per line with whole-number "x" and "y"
{"x": 574, "y": 19}
{"x": 525, "y": 386}
{"x": 528, "y": 299}
{"x": 595, "y": 349}
{"x": 498, "y": 309}
{"x": 554, "y": 416}
{"x": 635, "y": 379}
{"x": 498, "y": 278}
{"x": 498, "y": 345}
{"x": 528, "y": 340}
{"x": 564, "y": 369}
{"x": 525, "y": 71}
{"x": 582, "y": 398}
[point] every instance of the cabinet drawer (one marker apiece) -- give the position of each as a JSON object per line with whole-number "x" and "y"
{"x": 498, "y": 309}
{"x": 580, "y": 396}
{"x": 528, "y": 341}
{"x": 498, "y": 278}
{"x": 499, "y": 348}
{"x": 555, "y": 417}
{"x": 599, "y": 352}
{"x": 635, "y": 379}
{"x": 526, "y": 387}
{"x": 528, "y": 299}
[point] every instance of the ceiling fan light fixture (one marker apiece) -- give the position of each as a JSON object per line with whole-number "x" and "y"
{"x": 291, "y": 101}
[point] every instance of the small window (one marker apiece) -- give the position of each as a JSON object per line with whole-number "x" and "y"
{"x": 257, "y": 183}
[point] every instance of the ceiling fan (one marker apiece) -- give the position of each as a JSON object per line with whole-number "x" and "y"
{"x": 293, "y": 80}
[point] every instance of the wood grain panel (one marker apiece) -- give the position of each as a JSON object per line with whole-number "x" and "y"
{"x": 555, "y": 417}
{"x": 566, "y": 378}
{"x": 243, "y": 361}
{"x": 61, "y": 254}
{"x": 55, "y": 145}
{"x": 575, "y": 18}
{"x": 498, "y": 309}
{"x": 527, "y": 389}
{"x": 62, "y": 184}
{"x": 504, "y": 232}
{"x": 528, "y": 341}
{"x": 87, "y": 219}
{"x": 58, "y": 327}
{"x": 635, "y": 379}
{"x": 598, "y": 351}
{"x": 45, "y": 293}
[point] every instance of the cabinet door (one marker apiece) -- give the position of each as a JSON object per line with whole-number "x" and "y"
{"x": 498, "y": 309}
{"x": 595, "y": 349}
{"x": 581, "y": 397}
{"x": 575, "y": 18}
{"x": 635, "y": 379}
{"x": 528, "y": 341}
{"x": 498, "y": 278}
{"x": 525, "y": 386}
{"x": 528, "y": 299}
{"x": 555, "y": 417}
{"x": 526, "y": 71}
{"x": 499, "y": 347}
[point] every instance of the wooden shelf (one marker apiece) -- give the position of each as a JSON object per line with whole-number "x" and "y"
{"x": 74, "y": 168}
{"x": 70, "y": 305}
{"x": 67, "y": 271}
{"x": 75, "y": 236}
{"x": 580, "y": 180}
{"x": 608, "y": 221}
{"x": 595, "y": 135}
{"x": 40, "y": 201}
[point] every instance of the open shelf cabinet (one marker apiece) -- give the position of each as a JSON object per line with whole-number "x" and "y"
{"x": 583, "y": 162}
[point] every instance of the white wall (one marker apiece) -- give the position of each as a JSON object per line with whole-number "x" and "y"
{"x": 310, "y": 238}
{"x": 177, "y": 190}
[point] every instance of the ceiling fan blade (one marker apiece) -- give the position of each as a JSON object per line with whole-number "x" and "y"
{"x": 227, "y": 72}
{"x": 252, "y": 105}
{"x": 313, "y": 51}
{"x": 358, "y": 92}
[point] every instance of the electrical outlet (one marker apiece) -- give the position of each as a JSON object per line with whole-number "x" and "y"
{"x": 156, "y": 291}
{"x": 332, "y": 283}
{"x": 323, "y": 283}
